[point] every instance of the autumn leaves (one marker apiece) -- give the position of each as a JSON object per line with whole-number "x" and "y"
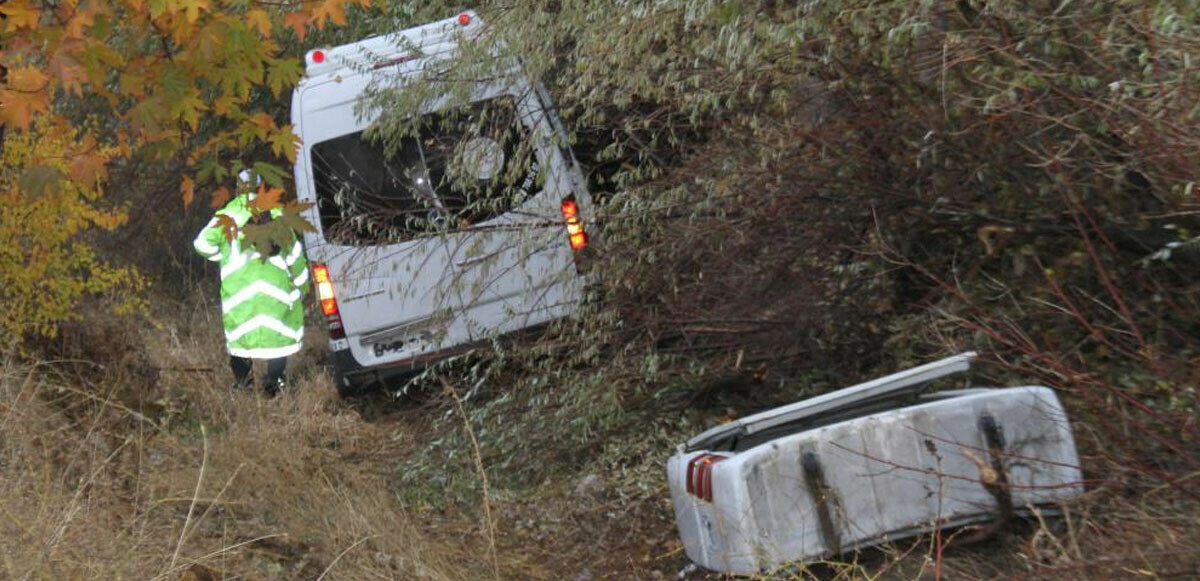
{"x": 86, "y": 83}
{"x": 199, "y": 78}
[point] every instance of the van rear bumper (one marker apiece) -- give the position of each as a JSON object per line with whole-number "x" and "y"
{"x": 352, "y": 377}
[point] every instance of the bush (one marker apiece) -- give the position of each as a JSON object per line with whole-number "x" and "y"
{"x": 799, "y": 195}
{"x": 45, "y": 261}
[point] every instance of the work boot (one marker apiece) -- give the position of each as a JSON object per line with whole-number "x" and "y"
{"x": 274, "y": 388}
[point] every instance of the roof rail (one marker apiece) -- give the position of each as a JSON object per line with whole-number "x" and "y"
{"x": 907, "y": 382}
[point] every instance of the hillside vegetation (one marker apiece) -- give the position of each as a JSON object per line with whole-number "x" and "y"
{"x": 794, "y": 196}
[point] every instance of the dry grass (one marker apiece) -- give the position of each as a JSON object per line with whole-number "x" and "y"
{"x": 154, "y": 469}
{"x": 182, "y": 478}
{"x": 1103, "y": 535}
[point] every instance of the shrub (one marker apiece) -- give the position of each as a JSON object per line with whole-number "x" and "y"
{"x": 45, "y": 261}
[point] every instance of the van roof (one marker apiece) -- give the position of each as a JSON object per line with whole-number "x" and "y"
{"x": 392, "y": 48}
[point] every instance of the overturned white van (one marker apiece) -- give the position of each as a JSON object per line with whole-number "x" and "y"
{"x": 868, "y": 464}
{"x": 471, "y": 228}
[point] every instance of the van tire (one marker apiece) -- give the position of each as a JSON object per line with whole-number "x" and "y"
{"x": 344, "y": 382}
{"x": 348, "y": 391}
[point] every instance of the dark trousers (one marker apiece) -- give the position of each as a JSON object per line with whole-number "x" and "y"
{"x": 243, "y": 371}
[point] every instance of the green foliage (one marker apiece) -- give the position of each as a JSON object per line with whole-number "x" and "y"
{"x": 163, "y": 94}
{"x": 799, "y": 195}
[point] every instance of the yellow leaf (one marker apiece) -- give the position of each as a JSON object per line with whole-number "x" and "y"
{"x": 19, "y": 14}
{"x": 188, "y": 109}
{"x": 334, "y": 10}
{"x": 188, "y": 188}
{"x": 225, "y": 105}
{"x": 80, "y": 19}
{"x": 133, "y": 83}
{"x": 193, "y": 8}
{"x": 260, "y": 21}
{"x": 285, "y": 142}
{"x": 283, "y": 74}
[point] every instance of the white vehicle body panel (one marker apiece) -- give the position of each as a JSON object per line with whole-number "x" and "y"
{"x": 872, "y": 479}
{"x": 419, "y": 299}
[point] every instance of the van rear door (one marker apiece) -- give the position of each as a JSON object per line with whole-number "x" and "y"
{"x": 449, "y": 235}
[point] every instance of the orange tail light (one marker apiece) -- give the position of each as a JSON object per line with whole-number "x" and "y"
{"x": 328, "y": 302}
{"x": 575, "y": 233}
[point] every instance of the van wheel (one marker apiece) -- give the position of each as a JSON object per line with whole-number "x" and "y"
{"x": 344, "y": 390}
{"x": 346, "y": 387}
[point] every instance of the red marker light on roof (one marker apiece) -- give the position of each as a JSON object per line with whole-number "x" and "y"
{"x": 318, "y": 56}
{"x": 464, "y": 19}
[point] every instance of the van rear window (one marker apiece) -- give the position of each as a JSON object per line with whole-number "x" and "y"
{"x": 461, "y": 168}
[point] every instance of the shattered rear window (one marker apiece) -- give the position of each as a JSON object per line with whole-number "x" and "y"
{"x": 461, "y": 168}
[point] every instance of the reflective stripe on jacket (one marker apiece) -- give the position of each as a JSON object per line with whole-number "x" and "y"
{"x": 262, "y": 303}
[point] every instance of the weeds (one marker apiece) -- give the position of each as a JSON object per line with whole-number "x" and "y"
{"x": 797, "y": 195}
{"x": 258, "y": 488}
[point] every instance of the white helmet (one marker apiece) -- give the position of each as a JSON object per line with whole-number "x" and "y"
{"x": 247, "y": 177}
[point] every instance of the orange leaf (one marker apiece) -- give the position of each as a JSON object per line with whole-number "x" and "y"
{"x": 27, "y": 80}
{"x": 19, "y": 14}
{"x": 228, "y": 227}
{"x": 267, "y": 199}
{"x": 298, "y": 21}
{"x": 18, "y": 109}
{"x": 188, "y": 187}
{"x": 88, "y": 167}
{"x": 123, "y": 143}
{"x": 70, "y": 74}
{"x": 262, "y": 120}
{"x": 220, "y": 197}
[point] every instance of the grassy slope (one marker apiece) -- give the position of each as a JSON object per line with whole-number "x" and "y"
{"x": 107, "y": 478}
{"x": 111, "y": 475}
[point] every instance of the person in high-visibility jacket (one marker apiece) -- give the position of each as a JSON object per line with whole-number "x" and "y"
{"x": 262, "y": 297}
